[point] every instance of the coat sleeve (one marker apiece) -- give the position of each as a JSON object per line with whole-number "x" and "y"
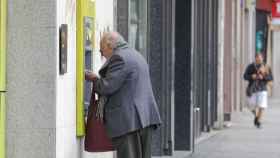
{"x": 248, "y": 73}
{"x": 114, "y": 79}
{"x": 269, "y": 77}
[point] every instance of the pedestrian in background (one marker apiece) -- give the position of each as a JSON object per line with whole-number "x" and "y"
{"x": 131, "y": 113}
{"x": 258, "y": 75}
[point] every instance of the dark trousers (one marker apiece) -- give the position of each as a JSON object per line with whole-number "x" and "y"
{"x": 134, "y": 145}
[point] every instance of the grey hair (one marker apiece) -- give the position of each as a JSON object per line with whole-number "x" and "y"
{"x": 114, "y": 40}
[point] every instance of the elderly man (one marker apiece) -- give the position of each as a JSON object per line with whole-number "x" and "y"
{"x": 131, "y": 113}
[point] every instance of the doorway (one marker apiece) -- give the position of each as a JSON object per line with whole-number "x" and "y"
{"x": 183, "y": 76}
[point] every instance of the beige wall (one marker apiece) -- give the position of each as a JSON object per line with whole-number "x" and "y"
{"x": 31, "y": 79}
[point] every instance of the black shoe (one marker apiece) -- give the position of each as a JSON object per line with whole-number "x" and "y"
{"x": 259, "y": 125}
{"x": 256, "y": 121}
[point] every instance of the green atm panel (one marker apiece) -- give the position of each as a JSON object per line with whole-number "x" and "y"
{"x": 3, "y": 13}
{"x": 85, "y": 10}
{"x": 2, "y": 125}
{"x": 3, "y": 45}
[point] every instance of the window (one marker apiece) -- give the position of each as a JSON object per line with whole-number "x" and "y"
{"x": 137, "y": 25}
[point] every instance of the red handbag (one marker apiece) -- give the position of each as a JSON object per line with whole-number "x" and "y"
{"x": 96, "y": 139}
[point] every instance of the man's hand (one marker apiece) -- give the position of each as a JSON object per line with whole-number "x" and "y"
{"x": 260, "y": 77}
{"x": 254, "y": 76}
{"x": 90, "y": 76}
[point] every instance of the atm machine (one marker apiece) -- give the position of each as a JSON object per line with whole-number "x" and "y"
{"x": 88, "y": 57}
{"x": 3, "y": 13}
{"x": 85, "y": 37}
{"x": 93, "y": 18}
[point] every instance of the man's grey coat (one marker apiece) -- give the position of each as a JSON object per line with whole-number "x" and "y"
{"x": 125, "y": 81}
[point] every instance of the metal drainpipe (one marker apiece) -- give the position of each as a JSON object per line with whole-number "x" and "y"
{"x": 221, "y": 19}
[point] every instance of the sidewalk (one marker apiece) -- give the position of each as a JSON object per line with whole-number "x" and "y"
{"x": 243, "y": 140}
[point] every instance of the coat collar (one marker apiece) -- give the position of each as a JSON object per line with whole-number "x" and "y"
{"x": 105, "y": 64}
{"x": 104, "y": 67}
{"x": 116, "y": 51}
